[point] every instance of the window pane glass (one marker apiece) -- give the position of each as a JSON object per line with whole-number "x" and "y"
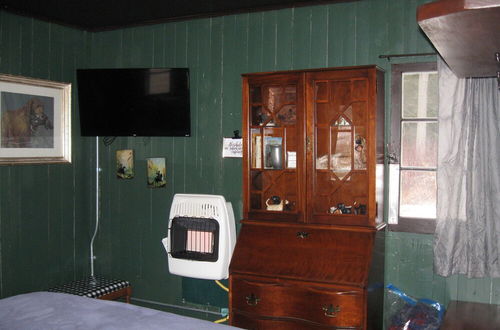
{"x": 419, "y": 144}
{"x": 420, "y": 95}
{"x": 432, "y": 96}
{"x": 418, "y": 194}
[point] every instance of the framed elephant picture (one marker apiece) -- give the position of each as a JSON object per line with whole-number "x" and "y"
{"x": 35, "y": 121}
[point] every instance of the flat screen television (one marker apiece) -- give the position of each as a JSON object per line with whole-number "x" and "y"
{"x": 134, "y": 102}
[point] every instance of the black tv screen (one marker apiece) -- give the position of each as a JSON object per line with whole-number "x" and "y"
{"x": 134, "y": 102}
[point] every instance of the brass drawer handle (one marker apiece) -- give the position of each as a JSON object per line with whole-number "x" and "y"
{"x": 302, "y": 234}
{"x": 263, "y": 284}
{"x": 331, "y": 311}
{"x": 252, "y": 300}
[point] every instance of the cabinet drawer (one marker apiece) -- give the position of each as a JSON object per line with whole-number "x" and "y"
{"x": 255, "y": 323}
{"x": 309, "y": 302}
{"x": 304, "y": 253}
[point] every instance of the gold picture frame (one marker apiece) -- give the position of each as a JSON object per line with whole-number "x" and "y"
{"x": 35, "y": 121}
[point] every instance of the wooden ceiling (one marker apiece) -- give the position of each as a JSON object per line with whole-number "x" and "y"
{"x": 98, "y": 15}
{"x": 466, "y": 33}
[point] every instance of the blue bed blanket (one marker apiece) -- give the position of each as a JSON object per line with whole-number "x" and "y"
{"x": 48, "y": 310}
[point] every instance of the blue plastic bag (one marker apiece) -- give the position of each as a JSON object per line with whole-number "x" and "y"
{"x": 408, "y": 313}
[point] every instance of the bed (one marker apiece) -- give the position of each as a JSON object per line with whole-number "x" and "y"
{"x": 49, "y": 310}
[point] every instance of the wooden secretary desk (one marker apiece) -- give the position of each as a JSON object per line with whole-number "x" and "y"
{"x": 310, "y": 250}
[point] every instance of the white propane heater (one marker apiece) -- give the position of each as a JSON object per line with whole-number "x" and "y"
{"x": 201, "y": 236}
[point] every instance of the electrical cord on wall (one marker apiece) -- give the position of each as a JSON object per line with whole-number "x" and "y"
{"x": 97, "y": 188}
{"x": 222, "y": 320}
{"x": 225, "y": 288}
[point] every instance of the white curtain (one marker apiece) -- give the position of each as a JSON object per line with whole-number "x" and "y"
{"x": 467, "y": 237}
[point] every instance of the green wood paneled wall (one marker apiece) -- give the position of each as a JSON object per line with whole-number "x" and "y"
{"x": 409, "y": 266}
{"x": 217, "y": 51}
{"x": 133, "y": 217}
{"x": 44, "y": 209}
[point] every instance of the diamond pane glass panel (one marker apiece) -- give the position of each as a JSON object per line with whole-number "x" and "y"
{"x": 274, "y": 98}
{"x": 348, "y": 113}
{"x": 418, "y": 194}
{"x": 259, "y": 116}
{"x": 341, "y": 160}
{"x": 420, "y": 95}
{"x": 290, "y": 94}
{"x": 419, "y": 144}
{"x": 342, "y": 122}
{"x": 287, "y": 116}
{"x": 255, "y": 95}
{"x": 256, "y": 180}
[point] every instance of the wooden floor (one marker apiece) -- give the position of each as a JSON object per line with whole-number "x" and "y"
{"x": 462, "y": 315}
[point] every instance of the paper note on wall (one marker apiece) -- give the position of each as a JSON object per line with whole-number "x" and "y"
{"x": 232, "y": 147}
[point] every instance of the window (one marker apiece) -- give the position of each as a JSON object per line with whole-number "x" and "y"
{"x": 413, "y": 148}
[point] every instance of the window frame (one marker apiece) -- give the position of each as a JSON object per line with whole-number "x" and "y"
{"x": 405, "y": 224}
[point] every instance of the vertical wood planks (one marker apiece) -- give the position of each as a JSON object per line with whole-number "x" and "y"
{"x": 319, "y": 37}
{"x": 301, "y": 33}
{"x": 38, "y": 240}
{"x": 47, "y": 212}
{"x": 269, "y": 40}
{"x": 284, "y": 39}
{"x": 255, "y": 35}
{"x": 234, "y": 54}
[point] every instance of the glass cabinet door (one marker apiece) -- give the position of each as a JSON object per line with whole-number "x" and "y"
{"x": 273, "y": 146}
{"x": 339, "y": 156}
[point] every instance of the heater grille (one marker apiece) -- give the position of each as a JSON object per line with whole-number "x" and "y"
{"x": 196, "y": 209}
{"x": 194, "y": 239}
